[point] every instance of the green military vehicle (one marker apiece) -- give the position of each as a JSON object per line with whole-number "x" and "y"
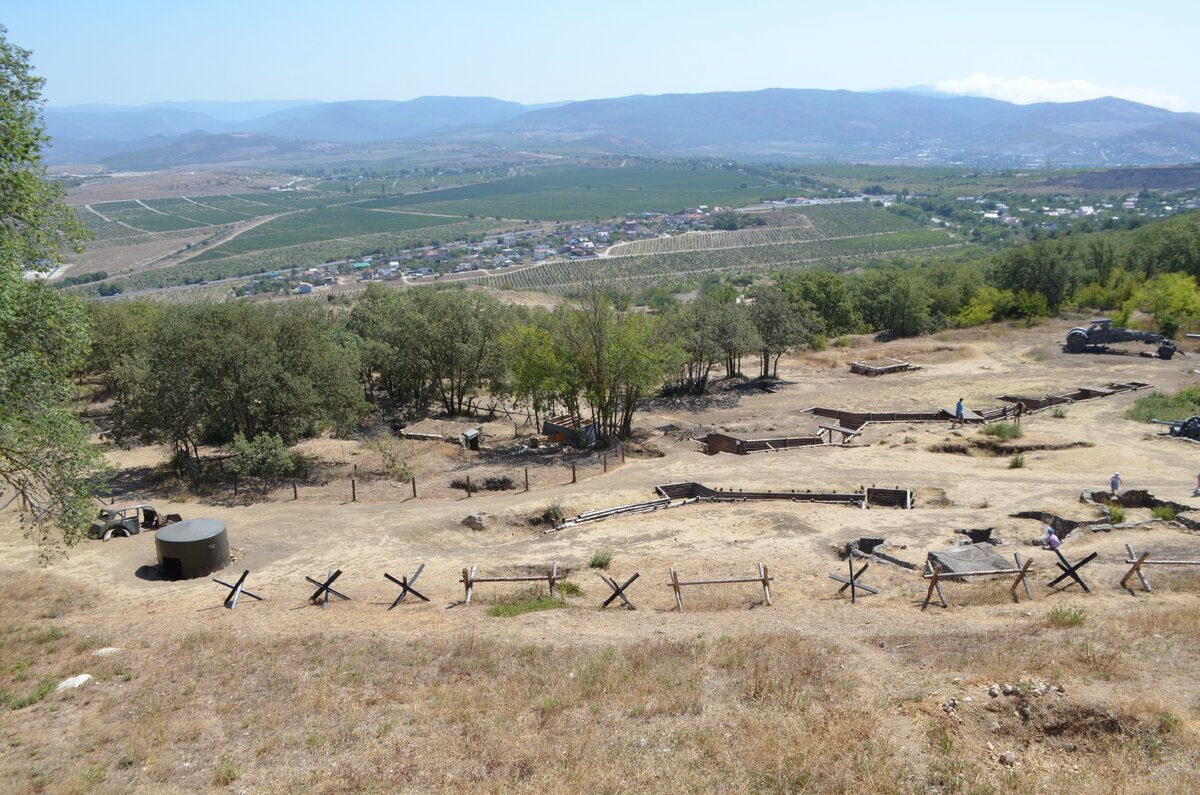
{"x": 129, "y": 519}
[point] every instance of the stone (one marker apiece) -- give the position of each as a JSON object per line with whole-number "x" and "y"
{"x": 73, "y": 682}
{"x": 1008, "y": 758}
{"x": 994, "y": 691}
{"x": 474, "y": 521}
{"x": 1008, "y": 690}
{"x": 995, "y": 727}
{"x": 106, "y": 651}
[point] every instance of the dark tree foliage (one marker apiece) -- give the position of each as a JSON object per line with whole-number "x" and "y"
{"x": 45, "y": 453}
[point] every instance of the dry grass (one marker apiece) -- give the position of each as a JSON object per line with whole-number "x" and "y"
{"x": 348, "y": 712}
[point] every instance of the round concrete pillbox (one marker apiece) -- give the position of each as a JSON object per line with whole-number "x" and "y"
{"x": 195, "y": 548}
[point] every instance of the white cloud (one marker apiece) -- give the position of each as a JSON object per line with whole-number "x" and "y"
{"x": 1026, "y": 90}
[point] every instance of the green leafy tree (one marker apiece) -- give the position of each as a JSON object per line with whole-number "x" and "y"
{"x": 828, "y": 295}
{"x": 783, "y": 325}
{"x": 45, "y": 453}
{"x": 1173, "y": 300}
{"x": 894, "y": 300}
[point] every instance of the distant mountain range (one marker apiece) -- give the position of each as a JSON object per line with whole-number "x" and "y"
{"x": 910, "y": 126}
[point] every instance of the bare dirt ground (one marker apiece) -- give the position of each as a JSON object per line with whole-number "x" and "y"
{"x": 812, "y": 694}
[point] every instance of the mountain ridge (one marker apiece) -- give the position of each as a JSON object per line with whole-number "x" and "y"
{"x": 770, "y": 123}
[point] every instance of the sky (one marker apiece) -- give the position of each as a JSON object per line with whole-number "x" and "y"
{"x": 132, "y": 52}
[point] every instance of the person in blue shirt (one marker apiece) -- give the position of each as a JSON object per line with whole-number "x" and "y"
{"x": 958, "y": 411}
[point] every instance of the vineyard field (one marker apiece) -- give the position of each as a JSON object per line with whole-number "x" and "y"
{"x": 688, "y": 266}
{"x": 584, "y": 193}
{"x": 711, "y": 241}
{"x": 316, "y": 225}
{"x": 298, "y": 256}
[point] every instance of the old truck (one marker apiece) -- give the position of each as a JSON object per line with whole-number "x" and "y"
{"x": 129, "y": 519}
{"x": 1101, "y": 333}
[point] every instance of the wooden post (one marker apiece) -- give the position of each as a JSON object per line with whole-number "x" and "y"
{"x": 353, "y": 490}
{"x": 1023, "y": 576}
{"x": 235, "y": 485}
{"x": 414, "y": 485}
{"x": 468, "y": 583}
{"x": 572, "y": 471}
{"x": 622, "y": 453}
{"x": 1137, "y": 569}
{"x": 468, "y": 487}
{"x": 675, "y": 587}
{"x": 356, "y": 470}
{"x": 766, "y": 582}
{"x": 605, "y": 458}
{"x": 526, "y": 478}
{"x": 553, "y": 578}
{"x": 295, "y": 494}
{"x": 933, "y": 585}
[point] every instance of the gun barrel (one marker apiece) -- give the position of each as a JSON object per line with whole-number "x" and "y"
{"x": 1165, "y": 422}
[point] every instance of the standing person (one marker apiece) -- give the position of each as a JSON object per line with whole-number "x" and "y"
{"x": 1114, "y": 483}
{"x": 1018, "y": 411}
{"x": 958, "y": 412}
{"x": 1196, "y": 491}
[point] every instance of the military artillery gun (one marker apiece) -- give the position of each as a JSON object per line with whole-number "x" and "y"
{"x": 1102, "y": 333}
{"x": 1185, "y": 429}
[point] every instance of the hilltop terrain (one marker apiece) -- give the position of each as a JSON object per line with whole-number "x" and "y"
{"x": 811, "y": 693}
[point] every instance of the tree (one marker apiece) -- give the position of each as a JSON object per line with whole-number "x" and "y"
{"x": 614, "y": 358}
{"x": 894, "y": 300}
{"x": 828, "y": 294}
{"x": 782, "y": 325}
{"x": 45, "y": 453}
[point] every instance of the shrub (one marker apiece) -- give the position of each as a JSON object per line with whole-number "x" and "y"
{"x": 601, "y": 559}
{"x": 1058, "y": 413}
{"x": 225, "y": 774}
{"x": 1165, "y": 512}
{"x": 570, "y": 589}
{"x": 1017, "y": 461}
{"x": 554, "y": 513}
{"x": 1116, "y": 514}
{"x": 1067, "y": 616}
{"x": 265, "y": 456}
{"x": 1161, "y": 406}
{"x": 393, "y": 461}
{"x": 1003, "y": 431}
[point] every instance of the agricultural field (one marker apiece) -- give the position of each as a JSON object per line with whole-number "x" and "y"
{"x": 685, "y": 267}
{"x": 711, "y": 241}
{"x": 295, "y": 256}
{"x": 312, "y": 226}
{"x": 588, "y": 193}
{"x": 232, "y": 235}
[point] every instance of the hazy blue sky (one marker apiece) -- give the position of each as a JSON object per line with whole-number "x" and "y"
{"x": 133, "y": 52}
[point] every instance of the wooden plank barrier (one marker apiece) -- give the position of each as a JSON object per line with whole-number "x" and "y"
{"x": 764, "y": 578}
{"x": 1138, "y": 561}
{"x": 935, "y": 574}
{"x": 471, "y": 578}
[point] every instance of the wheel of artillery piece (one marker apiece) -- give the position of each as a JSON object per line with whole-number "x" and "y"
{"x": 1076, "y": 340}
{"x": 1166, "y": 351}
